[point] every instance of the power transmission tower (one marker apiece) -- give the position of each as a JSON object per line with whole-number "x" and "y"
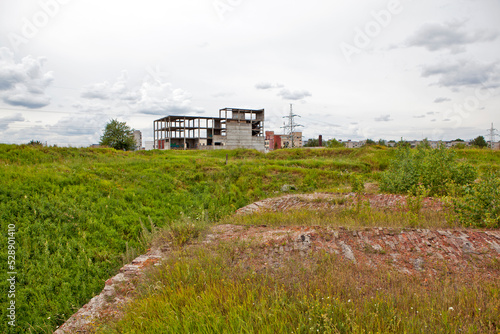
{"x": 291, "y": 125}
{"x": 492, "y": 133}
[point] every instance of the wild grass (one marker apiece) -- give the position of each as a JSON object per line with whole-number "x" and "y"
{"x": 78, "y": 212}
{"x": 225, "y": 289}
{"x": 365, "y": 216}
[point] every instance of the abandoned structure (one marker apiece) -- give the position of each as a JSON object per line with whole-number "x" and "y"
{"x": 234, "y": 128}
{"x": 276, "y": 141}
{"x": 138, "y": 140}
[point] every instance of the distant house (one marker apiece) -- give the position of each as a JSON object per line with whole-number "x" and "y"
{"x": 354, "y": 144}
{"x": 391, "y": 143}
{"x": 438, "y": 143}
{"x": 276, "y": 141}
{"x": 496, "y": 145}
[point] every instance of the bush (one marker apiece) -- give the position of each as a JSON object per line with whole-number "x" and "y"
{"x": 480, "y": 206}
{"x": 435, "y": 169}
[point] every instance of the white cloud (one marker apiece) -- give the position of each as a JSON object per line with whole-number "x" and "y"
{"x": 106, "y": 91}
{"x": 153, "y": 97}
{"x": 383, "y": 118}
{"x": 162, "y": 99}
{"x": 90, "y": 125}
{"x": 451, "y": 36}
{"x": 23, "y": 84}
{"x": 255, "y": 59}
{"x": 286, "y": 94}
{"x": 6, "y": 121}
{"x": 268, "y": 85}
{"x": 464, "y": 73}
{"x": 223, "y": 94}
{"x": 90, "y": 106}
{"x": 441, "y": 99}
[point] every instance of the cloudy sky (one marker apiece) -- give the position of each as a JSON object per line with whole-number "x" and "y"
{"x": 352, "y": 69}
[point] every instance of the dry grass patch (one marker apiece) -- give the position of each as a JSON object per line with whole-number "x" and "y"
{"x": 231, "y": 288}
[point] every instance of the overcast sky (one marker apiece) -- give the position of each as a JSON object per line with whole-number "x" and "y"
{"x": 352, "y": 69}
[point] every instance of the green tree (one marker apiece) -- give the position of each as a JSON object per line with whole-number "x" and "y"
{"x": 35, "y": 143}
{"x": 312, "y": 143}
{"x": 424, "y": 144}
{"x": 334, "y": 143}
{"x": 479, "y": 142}
{"x": 118, "y": 135}
{"x": 403, "y": 143}
{"x": 460, "y": 146}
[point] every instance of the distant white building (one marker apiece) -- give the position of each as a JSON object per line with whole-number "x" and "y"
{"x": 496, "y": 145}
{"x": 138, "y": 140}
{"x": 149, "y": 145}
{"x": 354, "y": 144}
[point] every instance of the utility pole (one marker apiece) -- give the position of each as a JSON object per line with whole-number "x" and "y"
{"x": 492, "y": 133}
{"x": 291, "y": 125}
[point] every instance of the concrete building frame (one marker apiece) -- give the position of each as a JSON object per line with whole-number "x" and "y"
{"x": 234, "y": 128}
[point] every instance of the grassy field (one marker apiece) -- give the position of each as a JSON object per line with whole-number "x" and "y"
{"x": 77, "y": 212}
{"x": 205, "y": 290}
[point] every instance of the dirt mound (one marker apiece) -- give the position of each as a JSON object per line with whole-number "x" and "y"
{"x": 409, "y": 251}
{"x": 332, "y": 201}
{"x": 427, "y": 252}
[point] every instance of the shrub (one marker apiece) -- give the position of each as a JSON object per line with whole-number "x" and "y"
{"x": 480, "y": 206}
{"x": 434, "y": 169}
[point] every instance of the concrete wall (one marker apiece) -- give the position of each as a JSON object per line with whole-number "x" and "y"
{"x": 149, "y": 145}
{"x": 239, "y": 135}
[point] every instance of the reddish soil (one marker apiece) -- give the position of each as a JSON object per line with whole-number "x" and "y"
{"x": 410, "y": 251}
{"x": 331, "y": 201}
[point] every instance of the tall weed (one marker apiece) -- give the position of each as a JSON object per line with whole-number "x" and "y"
{"x": 480, "y": 206}
{"x": 434, "y": 169}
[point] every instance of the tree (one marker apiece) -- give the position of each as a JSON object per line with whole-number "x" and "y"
{"x": 35, "y": 143}
{"x": 334, "y": 143}
{"x": 312, "y": 143}
{"x": 370, "y": 142}
{"x": 479, "y": 142}
{"x": 118, "y": 135}
{"x": 403, "y": 143}
{"x": 424, "y": 144}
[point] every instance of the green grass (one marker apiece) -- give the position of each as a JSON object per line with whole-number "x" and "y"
{"x": 77, "y": 211}
{"x": 366, "y": 217}
{"x": 228, "y": 288}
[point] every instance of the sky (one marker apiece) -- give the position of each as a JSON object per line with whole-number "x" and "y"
{"x": 353, "y": 70}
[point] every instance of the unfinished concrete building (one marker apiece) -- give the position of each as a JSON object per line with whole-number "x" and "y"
{"x": 234, "y": 128}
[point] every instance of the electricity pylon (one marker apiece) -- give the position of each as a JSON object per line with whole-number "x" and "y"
{"x": 291, "y": 125}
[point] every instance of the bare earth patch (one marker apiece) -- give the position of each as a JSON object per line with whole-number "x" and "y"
{"x": 331, "y": 201}
{"x": 427, "y": 252}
